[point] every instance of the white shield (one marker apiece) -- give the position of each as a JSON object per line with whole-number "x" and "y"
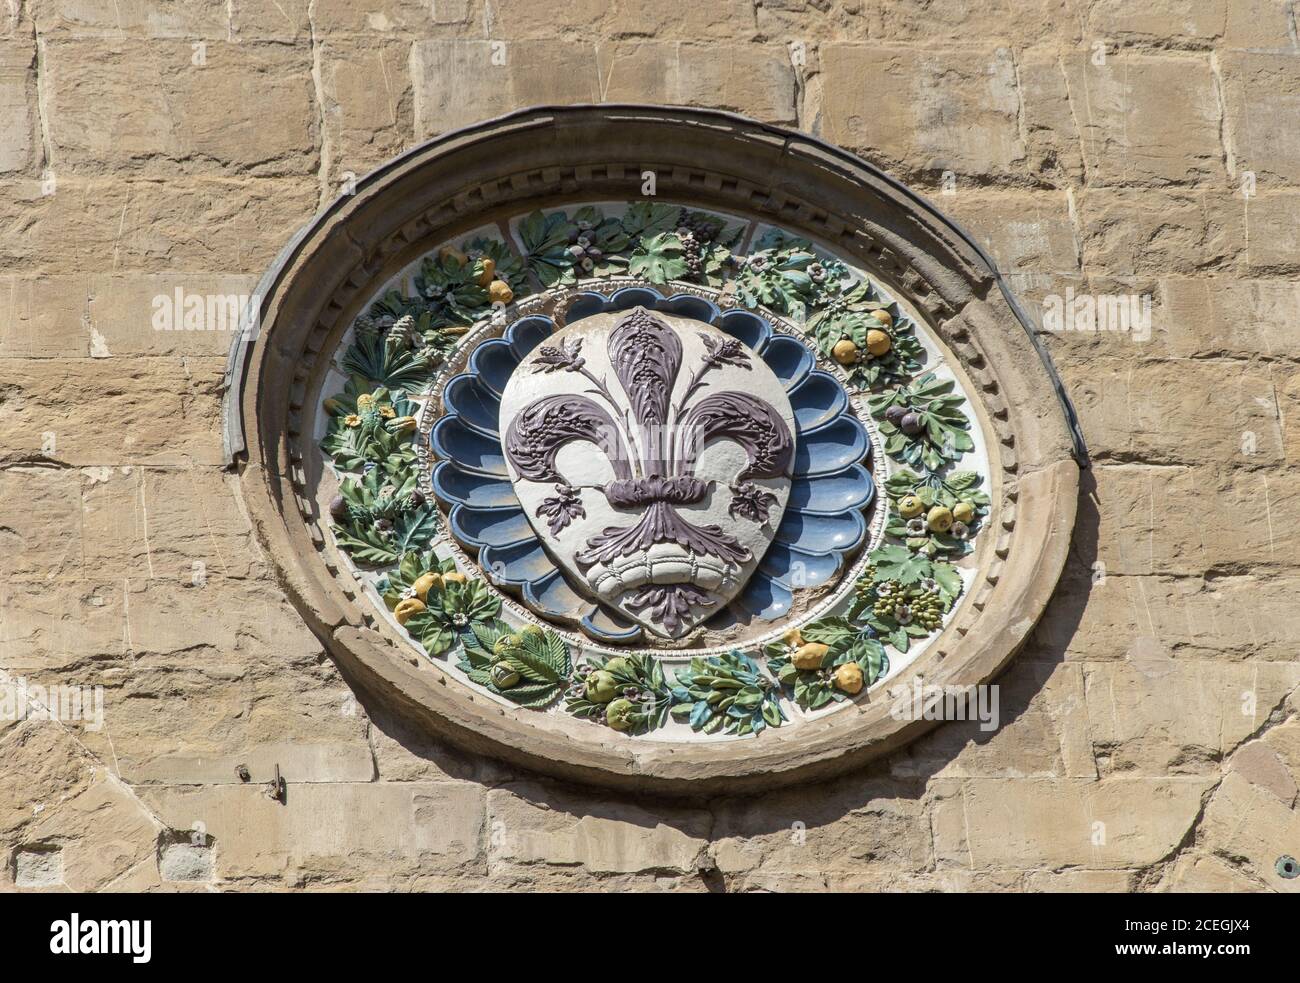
{"x": 652, "y": 454}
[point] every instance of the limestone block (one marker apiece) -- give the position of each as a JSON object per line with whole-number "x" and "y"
{"x": 75, "y": 226}
{"x": 176, "y": 525}
{"x": 100, "y": 412}
{"x": 163, "y": 108}
{"x": 1135, "y": 233}
{"x": 1177, "y": 411}
{"x": 1020, "y": 231}
{"x": 926, "y": 110}
{"x": 366, "y": 103}
{"x": 1114, "y": 824}
{"x": 1169, "y": 716}
{"x": 756, "y": 80}
{"x": 188, "y": 19}
{"x": 531, "y": 824}
{"x": 1149, "y": 120}
{"x": 1260, "y": 90}
{"x": 108, "y": 316}
{"x": 328, "y": 830}
{"x": 19, "y": 141}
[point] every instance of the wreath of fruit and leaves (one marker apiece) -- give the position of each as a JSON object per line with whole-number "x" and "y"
{"x": 653, "y": 241}
{"x": 873, "y": 341}
{"x": 903, "y": 595}
{"x": 936, "y": 513}
{"x": 370, "y": 427}
{"x": 728, "y": 693}
{"x": 825, "y": 661}
{"x": 529, "y": 666}
{"x": 922, "y": 422}
{"x": 377, "y": 518}
{"x": 628, "y": 693}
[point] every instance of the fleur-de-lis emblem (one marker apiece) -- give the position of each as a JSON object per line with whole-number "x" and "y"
{"x": 660, "y": 563}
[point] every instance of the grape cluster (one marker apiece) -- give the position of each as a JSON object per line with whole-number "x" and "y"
{"x": 908, "y": 605}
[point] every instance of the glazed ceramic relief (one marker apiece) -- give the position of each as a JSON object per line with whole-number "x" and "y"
{"x": 664, "y": 470}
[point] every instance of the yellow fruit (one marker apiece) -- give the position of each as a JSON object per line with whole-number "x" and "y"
{"x": 455, "y": 577}
{"x": 402, "y": 425}
{"x": 877, "y": 342}
{"x": 909, "y": 506}
{"x": 809, "y": 656}
{"x": 845, "y": 352}
{"x": 489, "y": 271}
{"x": 792, "y": 638}
{"x": 499, "y": 292}
{"x": 963, "y": 511}
{"x": 407, "y": 608}
{"x": 425, "y": 583}
{"x": 451, "y": 252}
{"x": 848, "y": 678}
{"x": 884, "y": 317}
{"x": 939, "y": 519}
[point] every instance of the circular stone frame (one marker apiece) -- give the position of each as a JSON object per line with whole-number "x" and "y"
{"x": 551, "y": 156}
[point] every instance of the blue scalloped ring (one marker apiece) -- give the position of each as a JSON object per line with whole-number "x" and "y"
{"x": 823, "y": 520}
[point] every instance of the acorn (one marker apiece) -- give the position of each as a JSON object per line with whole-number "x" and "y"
{"x": 424, "y": 583}
{"x": 909, "y": 506}
{"x": 489, "y": 271}
{"x": 407, "y": 608}
{"x": 499, "y": 292}
{"x": 939, "y": 519}
{"x": 896, "y": 413}
{"x": 455, "y": 577}
{"x": 848, "y": 678}
{"x": 619, "y": 714}
{"x": 809, "y": 656}
{"x": 878, "y": 342}
{"x": 601, "y": 687}
{"x": 884, "y": 317}
{"x": 503, "y": 677}
{"x": 452, "y": 253}
{"x": 911, "y": 424}
{"x": 339, "y": 509}
{"x": 963, "y": 512}
{"x": 845, "y": 352}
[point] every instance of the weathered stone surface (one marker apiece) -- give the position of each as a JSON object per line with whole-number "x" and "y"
{"x": 1155, "y": 716}
{"x": 756, "y": 80}
{"x": 532, "y": 824}
{"x": 917, "y": 109}
{"x": 1260, "y": 90}
{"x": 188, "y": 19}
{"x": 322, "y": 832}
{"x": 366, "y": 104}
{"x": 1133, "y": 233}
{"x": 109, "y": 225}
{"x": 163, "y": 108}
{"x": 1020, "y": 231}
{"x": 1112, "y": 824}
{"x": 1177, "y": 411}
{"x": 151, "y": 411}
{"x": 1150, "y": 120}
{"x": 1247, "y": 618}
{"x": 106, "y": 316}
{"x": 19, "y": 141}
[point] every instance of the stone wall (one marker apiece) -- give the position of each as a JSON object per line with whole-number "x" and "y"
{"x": 1150, "y": 734}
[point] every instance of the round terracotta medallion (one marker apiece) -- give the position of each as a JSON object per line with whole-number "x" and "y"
{"x": 652, "y": 448}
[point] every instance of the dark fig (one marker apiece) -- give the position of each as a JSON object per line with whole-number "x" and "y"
{"x": 911, "y": 424}
{"x": 895, "y": 414}
{"x": 338, "y": 509}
